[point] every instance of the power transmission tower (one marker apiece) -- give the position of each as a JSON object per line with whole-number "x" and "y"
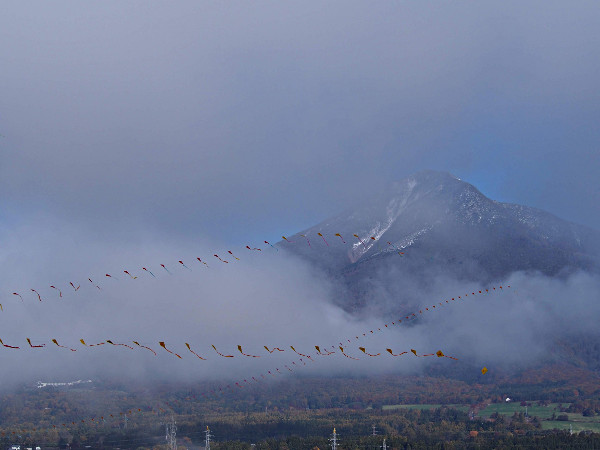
{"x": 384, "y": 446}
{"x": 207, "y": 439}
{"x": 374, "y": 430}
{"x": 171, "y": 434}
{"x": 334, "y": 440}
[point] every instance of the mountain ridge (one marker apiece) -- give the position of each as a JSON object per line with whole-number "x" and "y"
{"x": 442, "y": 225}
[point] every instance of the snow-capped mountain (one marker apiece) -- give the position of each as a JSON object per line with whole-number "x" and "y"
{"x": 432, "y": 222}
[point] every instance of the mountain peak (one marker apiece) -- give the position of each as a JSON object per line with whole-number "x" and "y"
{"x": 423, "y": 179}
{"x": 429, "y": 175}
{"x": 439, "y": 223}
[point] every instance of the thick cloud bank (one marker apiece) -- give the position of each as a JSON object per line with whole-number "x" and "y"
{"x": 264, "y": 298}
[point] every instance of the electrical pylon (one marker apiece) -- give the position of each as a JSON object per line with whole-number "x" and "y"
{"x": 207, "y": 439}
{"x": 334, "y": 440}
{"x": 171, "y": 434}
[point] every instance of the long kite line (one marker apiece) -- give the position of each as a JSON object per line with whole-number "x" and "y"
{"x": 220, "y": 390}
{"x": 324, "y": 352}
{"x": 407, "y": 318}
{"x": 76, "y": 288}
{"x": 340, "y": 345}
{"x": 294, "y": 365}
{"x": 239, "y": 347}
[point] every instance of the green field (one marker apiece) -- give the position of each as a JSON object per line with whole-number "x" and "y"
{"x": 543, "y": 413}
{"x": 577, "y": 425}
{"x": 464, "y": 408}
{"x": 508, "y": 409}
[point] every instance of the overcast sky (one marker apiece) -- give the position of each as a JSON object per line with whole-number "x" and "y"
{"x": 242, "y": 120}
{"x": 140, "y": 132}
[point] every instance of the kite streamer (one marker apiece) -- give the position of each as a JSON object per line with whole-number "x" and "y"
{"x": 356, "y": 236}
{"x": 162, "y": 344}
{"x": 59, "y": 291}
{"x": 240, "y": 349}
{"x": 324, "y": 354}
{"x": 8, "y": 346}
{"x": 124, "y": 345}
{"x": 34, "y": 346}
{"x": 163, "y": 266}
{"x": 143, "y": 268}
{"x": 301, "y": 354}
{"x": 266, "y": 242}
{"x": 229, "y": 251}
{"x": 274, "y": 348}
{"x": 38, "y": 294}
{"x": 62, "y": 346}
{"x": 340, "y": 236}
{"x": 287, "y": 240}
{"x": 347, "y": 356}
{"x": 189, "y": 348}
{"x": 19, "y": 295}
{"x": 222, "y": 260}
{"x": 362, "y": 349}
{"x": 440, "y": 354}
{"x": 143, "y": 346}
{"x": 304, "y": 236}
{"x": 132, "y": 277}
{"x": 94, "y": 284}
{"x": 392, "y": 353}
{"x": 73, "y": 286}
{"x": 224, "y": 356}
{"x": 91, "y": 345}
{"x": 414, "y": 352}
{"x": 181, "y": 262}
{"x": 258, "y": 249}
{"x": 202, "y": 262}
{"x": 323, "y": 239}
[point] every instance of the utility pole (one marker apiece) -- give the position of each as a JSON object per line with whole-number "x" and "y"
{"x": 333, "y": 440}
{"x": 207, "y": 439}
{"x": 171, "y": 434}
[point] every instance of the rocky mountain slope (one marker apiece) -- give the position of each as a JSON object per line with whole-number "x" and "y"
{"x": 433, "y": 224}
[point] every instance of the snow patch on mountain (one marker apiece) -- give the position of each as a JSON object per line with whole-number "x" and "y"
{"x": 411, "y": 238}
{"x": 394, "y": 208}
